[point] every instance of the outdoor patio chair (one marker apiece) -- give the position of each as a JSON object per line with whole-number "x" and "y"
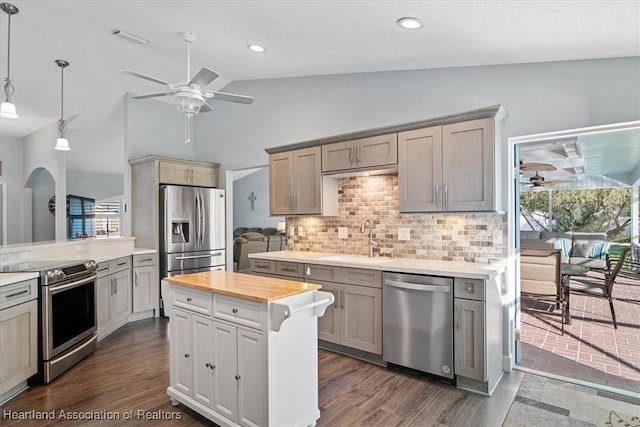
{"x": 602, "y": 286}
{"x": 540, "y": 277}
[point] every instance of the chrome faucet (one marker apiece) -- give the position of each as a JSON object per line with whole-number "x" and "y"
{"x": 372, "y": 242}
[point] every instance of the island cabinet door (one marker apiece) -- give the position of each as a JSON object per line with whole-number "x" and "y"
{"x": 225, "y": 384}
{"x": 251, "y": 371}
{"x": 203, "y": 366}
{"x": 329, "y": 323}
{"x": 182, "y": 357}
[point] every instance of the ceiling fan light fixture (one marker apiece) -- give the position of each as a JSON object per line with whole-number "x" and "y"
{"x": 7, "y": 109}
{"x": 188, "y": 103}
{"x": 409, "y": 23}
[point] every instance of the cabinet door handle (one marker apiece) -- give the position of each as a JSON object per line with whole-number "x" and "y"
{"x": 290, "y": 202}
{"x": 234, "y": 311}
{"x": 262, "y": 266}
{"x": 295, "y": 202}
{"x": 308, "y": 271}
{"x": 210, "y": 366}
{"x": 358, "y": 153}
{"x": 336, "y": 297}
{"x": 120, "y": 264}
{"x": 457, "y": 317}
{"x": 135, "y": 277}
{"x": 437, "y": 187}
{"x": 237, "y": 377}
{"x": 351, "y": 154}
{"x": 446, "y": 196}
{"x": 289, "y": 269}
{"x": 145, "y": 260}
{"x": 342, "y": 299}
{"x": 24, "y": 291}
{"x": 187, "y": 355}
{"x": 188, "y": 299}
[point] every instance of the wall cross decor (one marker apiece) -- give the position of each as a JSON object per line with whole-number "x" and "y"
{"x": 252, "y": 198}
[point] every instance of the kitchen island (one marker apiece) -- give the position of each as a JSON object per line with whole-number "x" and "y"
{"x": 243, "y": 349}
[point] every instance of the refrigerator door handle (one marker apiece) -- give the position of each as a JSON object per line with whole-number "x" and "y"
{"x": 203, "y": 230}
{"x": 197, "y": 213}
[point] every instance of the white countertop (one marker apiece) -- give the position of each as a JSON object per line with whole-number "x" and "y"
{"x": 468, "y": 270}
{"x": 143, "y": 251}
{"x": 10, "y": 278}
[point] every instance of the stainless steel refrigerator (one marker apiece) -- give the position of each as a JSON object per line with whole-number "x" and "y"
{"x": 192, "y": 230}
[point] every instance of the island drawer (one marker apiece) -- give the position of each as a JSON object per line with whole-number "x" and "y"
{"x": 361, "y": 276}
{"x": 237, "y": 310}
{"x": 192, "y": 299}
{"x": 293, "y": 269}
{"x": 17, "y": 293}
{"x": 144, "y": 260}
{"x": 468, "y": 288}
{"x": 262, "y": 266}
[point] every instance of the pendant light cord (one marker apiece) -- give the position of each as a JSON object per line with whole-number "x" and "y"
{"x": 8, "y": 87}
{"x": 62, "y": 94}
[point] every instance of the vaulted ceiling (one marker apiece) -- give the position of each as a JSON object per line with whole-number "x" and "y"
{"x": 301, "y": 37}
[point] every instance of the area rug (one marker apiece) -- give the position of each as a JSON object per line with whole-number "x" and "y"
{"x": 543, "y": 401}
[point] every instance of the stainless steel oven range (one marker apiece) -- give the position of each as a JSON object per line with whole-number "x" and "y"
{"x": 67, "y": 313}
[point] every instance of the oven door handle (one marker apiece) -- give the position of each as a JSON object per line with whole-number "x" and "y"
{"x": 57, "y": 289}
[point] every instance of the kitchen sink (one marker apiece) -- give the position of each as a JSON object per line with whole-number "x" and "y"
{"x": 358, "y": 259}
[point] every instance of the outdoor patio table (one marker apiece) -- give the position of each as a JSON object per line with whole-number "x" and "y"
{"x": 568, "y": 270}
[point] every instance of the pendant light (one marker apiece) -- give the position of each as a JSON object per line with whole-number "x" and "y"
{"x": 7, "y": 109}
{"x": 61, "y": 143}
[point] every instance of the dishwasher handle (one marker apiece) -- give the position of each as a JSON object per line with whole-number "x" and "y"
{"x": 417, "y": 286}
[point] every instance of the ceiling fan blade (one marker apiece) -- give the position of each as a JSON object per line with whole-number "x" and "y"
{"x": 144, "y": 76}
{"x": 229, "y": 97}
{"x": 537, "y": 167}
{"x": 205, "y": 108}
{"x": 153, "y": 95}
{"x": 203, "y": 77}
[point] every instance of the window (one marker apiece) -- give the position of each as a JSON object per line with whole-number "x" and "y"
{"x": 108, "y": 218}
{"x": 81, "y": 216}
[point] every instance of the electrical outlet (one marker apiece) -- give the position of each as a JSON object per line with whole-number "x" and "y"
{"x": 292, "y": 231}
{"x": 300, "y": 232}
{"x": 404, "y": 234}
{"x": 343, "y": 233}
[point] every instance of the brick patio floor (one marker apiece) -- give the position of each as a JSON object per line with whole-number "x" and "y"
{"x": 591, "y": 349}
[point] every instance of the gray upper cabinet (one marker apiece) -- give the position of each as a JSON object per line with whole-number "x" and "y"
{"x": 447, "y": 168}
{"x": 295, "y": 183}
{"x": 381, "y": 150}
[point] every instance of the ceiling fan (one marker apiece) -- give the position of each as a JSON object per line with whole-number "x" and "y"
{"x": 189, "y": 96}
{"x": 538, "y": 181}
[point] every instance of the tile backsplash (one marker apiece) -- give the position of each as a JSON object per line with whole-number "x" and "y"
{"x": 472, "y": 237}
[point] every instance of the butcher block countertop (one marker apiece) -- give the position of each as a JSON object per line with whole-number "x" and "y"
{"x": 239, "y": 285}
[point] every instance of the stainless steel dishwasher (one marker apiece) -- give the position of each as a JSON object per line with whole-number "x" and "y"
{"x": 417, "y": 322}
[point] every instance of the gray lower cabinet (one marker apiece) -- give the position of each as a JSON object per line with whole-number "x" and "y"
{"x": 18, "y": 336}
{"x": 478, "y": 333}
{"x": 448, "y": 168}
{"x": 355, "y": 318}
{"x": 113, "y": 300}
{"x": 145, "y": 297}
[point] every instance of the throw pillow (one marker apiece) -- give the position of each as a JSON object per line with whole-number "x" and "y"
{"x": 599, "y": 250}
{"x": 581, "y": 249}
{"x": 562, "y": 245}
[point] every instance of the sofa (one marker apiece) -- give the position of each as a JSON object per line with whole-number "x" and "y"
{"x": 587, "y": 249}
{"x": 252, "y": 240}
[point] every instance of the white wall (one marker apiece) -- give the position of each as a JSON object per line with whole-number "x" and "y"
{"x": 243, "y": 215}
{"x": 12, "y": 157}
{"x": 94, "y": 185}
{"x": 43, "y": 226}
{"x": 538, "y": 97}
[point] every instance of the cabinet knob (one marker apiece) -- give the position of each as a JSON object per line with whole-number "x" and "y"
{"x": 186, "y": 355}
{"x": 188, "y": 299}
{"x": 234, "y": 311}
{"x": 212, "y": 367}
{"x": 237, "y": 377}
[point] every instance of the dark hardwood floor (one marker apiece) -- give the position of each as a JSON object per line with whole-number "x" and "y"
{"x": 129, "y": 373}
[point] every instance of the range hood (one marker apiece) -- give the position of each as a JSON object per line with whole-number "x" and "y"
{"x": 370, "y": 171}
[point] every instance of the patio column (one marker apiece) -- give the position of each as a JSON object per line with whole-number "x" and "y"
{"x": 634, "y": 212}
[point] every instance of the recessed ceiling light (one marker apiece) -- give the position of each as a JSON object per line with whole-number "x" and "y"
{"x": 409, "y": 23}
{"x": 256, "y": 48}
